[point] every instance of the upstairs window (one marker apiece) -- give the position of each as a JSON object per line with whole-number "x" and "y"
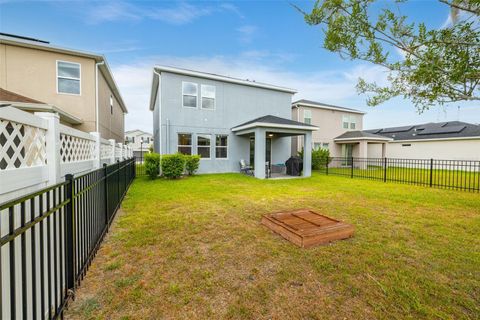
{"x": 68, "y": 77}
{"x": 307, "y": 116}
{"x": 111, "y": 104}
{"x": 190, "y": 94}
{"x": 346, "y": 122}
{"x": 349, "y": 122}
{"x": 221, "y": 146}
{"x": 185, "y": 143}
{"x": 203, "y": 146}
{"x": 208, "y": 97}
{"x": 353, "y": 122}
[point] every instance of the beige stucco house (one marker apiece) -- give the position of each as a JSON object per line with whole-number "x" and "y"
{"x": 78, "y": 83}
{"x": 332, "y": 121}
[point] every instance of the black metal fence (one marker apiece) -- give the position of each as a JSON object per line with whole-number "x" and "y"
{"x": 140, "y": 164}
{"x": 49, "y": 238}
{"x": 450, "y": 174}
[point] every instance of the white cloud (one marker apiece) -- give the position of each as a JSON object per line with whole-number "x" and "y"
{"x": 334, "y": 86}
{"x": 178, "y": 14}
{"x": 337, "y": 87}
{"x": 247, "y": 33}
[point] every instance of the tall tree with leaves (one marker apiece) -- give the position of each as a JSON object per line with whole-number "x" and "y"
{"x": 435, "y": 66}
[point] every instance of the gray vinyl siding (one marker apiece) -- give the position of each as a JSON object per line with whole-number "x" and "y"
{"x": 234, "y": 104}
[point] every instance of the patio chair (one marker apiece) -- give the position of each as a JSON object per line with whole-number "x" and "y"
{"x": 244, "y": 168}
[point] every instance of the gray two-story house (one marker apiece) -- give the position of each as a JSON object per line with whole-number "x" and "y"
{"x": 224, "y": 120}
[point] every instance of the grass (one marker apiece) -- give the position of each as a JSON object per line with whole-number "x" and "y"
{"x": 441, "y": 178}
{"x": 194, "y": 249}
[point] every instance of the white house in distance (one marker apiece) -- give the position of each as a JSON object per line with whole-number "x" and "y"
{"x": 139, "y": 140}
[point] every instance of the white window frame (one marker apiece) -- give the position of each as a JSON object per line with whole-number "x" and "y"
{"x": 209, "y": 146}
{"x": 214, "y": 99}
{"x": 305, "y": 116}
{"x": 226, "y": 147}
{"x": 191, "y": 95}
{"x": 353, "y": 120}
{"x": 69, "y": 78}
{"x": 346, "y": 119}
{"x": 185, "y": 145}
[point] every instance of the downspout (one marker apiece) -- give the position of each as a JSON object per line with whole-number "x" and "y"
{"x": 97, "y": 112}
{"x": 159, "y": 121}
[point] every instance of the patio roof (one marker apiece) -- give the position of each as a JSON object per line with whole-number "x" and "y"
{"x": 270, "y": 121}
{"x": 360, "y": 136}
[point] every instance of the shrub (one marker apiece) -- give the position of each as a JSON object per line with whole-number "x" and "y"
{"x": 173, "y": 165}
{"x": 192, "y": 162}
{"x": 152, "y": 164}
{"x": 320, "y": 158}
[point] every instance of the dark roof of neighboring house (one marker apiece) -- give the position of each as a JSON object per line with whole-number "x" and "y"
{"x": 321, "y": 104}
{"x": 10, "y": 96}
{"x": 275, "y": 120}
{"x": 432, "y": 130}
{"x": 359, "y": 134}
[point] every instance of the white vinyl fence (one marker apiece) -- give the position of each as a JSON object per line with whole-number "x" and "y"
{"x": 37, "y": 151}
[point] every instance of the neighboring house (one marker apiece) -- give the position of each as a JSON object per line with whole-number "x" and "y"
{"x": 76, "y": 83}
{"x": 224, "y": 120}
{"x": 140, "y": 141}
{"x": 444, "y": 140}
{"x": 331, "y": 121}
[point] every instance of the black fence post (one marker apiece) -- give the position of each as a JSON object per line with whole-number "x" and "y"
{"x": 385, "y": 169}
{"x": 326, "y": 169}
{"x": 70, "y": 233}
{"x": 105, "y": 174}
{"x": 134, "y": 166}
{"x": 431, "y": 172}
{"x": 351, "y": 171}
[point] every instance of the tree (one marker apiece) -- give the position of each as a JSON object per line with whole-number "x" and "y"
{"x": 435, "y": 66}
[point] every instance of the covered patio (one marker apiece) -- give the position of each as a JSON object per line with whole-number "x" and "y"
{"x": 270, "y": 141}
{"x": 355, "y": 144}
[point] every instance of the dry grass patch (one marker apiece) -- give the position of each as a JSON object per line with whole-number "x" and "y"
{"x": 195, "y": 249}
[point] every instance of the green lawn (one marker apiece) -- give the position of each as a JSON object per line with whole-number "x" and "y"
{"x": 195, "y": 249}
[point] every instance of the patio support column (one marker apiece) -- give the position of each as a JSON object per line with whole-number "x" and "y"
{"x": 384, "y": 150}
{"x": 307, "y": 154}
{"x": 363, "y": 154}
{"x": 260, "y": 153}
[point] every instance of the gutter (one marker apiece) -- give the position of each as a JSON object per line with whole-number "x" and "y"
{"x": 97, "y": 113}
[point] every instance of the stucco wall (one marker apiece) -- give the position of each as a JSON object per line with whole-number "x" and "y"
{"x": 235, "y": 104}
{"x": 33, "y": 73}
{"x": 330, "y": 124}
{"x": 111, "y": 124}
{"x": 446, "y": 149}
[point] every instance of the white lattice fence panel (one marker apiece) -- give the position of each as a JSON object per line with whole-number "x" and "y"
{"x": 75, "y": 149}
{"x": 21, "y": 145}
{"x": 118, "y": 152}
{"x": 106, "y": 150}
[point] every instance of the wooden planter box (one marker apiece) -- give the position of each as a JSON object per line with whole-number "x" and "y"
{"x": 306, "y": 228}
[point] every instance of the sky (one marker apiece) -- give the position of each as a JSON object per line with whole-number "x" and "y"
{"x": 265, "y": 41}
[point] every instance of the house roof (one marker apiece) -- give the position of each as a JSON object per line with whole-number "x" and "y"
{"x": 430, "y": 131}
{"x": 137, "y": 131}
{"x": 28, "y": 104}
{"x": 274, "y": 121}
{"x": 211, "y": 76}
{"x": 321, "y": 105}
{"x": 10, "y": 96}
{"x": 46, "y": 46}
{"x": 360, "y": 135}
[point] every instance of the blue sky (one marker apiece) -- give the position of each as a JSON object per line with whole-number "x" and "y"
{"x": 267, "y": 41}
